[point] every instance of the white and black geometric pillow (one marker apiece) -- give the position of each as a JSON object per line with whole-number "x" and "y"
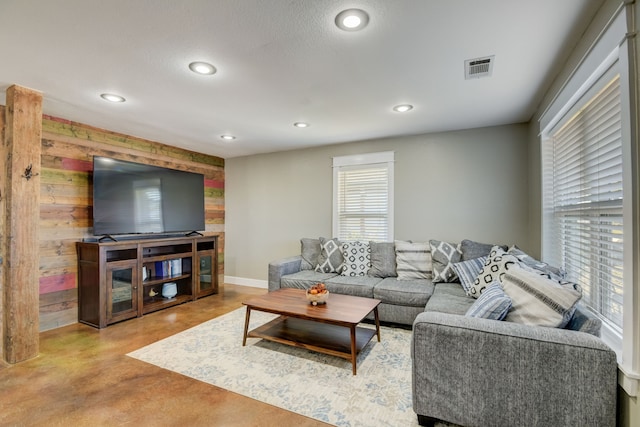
{"x": 330, "y": 259}
{"x": 357, "y": 258}
{"x": 443, "y": 255}
{"x": 497, "y": 264}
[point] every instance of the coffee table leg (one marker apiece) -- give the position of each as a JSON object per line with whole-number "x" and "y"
{"x": 246, "y": 326}
{"x": 375, "y": 315}
{"x": 354, "y": 354}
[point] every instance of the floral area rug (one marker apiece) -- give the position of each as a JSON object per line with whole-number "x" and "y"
{"x": 308, "y": 383}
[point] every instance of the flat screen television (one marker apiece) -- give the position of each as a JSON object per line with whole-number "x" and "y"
{"x": 133, "y": 198}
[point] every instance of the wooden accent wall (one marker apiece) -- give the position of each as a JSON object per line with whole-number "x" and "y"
{"x": 66, "y": 202}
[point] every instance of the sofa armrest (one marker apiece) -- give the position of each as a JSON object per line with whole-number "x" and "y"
{"x": 478, "y": 372}
{"x": 282, "y": 267}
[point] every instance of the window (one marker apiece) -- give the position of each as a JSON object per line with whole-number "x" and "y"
{"x": 363, "y": 197}
{"x": 587, "y": 200}
{"x": 591, "y": 175}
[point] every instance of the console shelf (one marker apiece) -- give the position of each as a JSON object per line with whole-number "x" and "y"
{"x": 122, "y": 280}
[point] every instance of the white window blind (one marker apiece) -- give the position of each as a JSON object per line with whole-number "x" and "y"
{"x": 363, "y": 201}
{"x": 587, "y": 201}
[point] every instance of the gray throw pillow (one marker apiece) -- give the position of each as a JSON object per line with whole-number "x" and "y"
{"x": 473, "y": 250}
{"x": 330, "y": 259}
{"x": 443, "y": 256}
{"x": 310, "y": 251}
{"x": 383, "y": 259}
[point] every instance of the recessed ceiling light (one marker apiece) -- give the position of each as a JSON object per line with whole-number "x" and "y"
{"x": 403, "y": 108}
{"x": 202, "y": 68}
{"x": 352, "y": 19}
{"x": 228, "y": 137}
{"x": 301, "y": 125}
{"x": 112, "y": 97}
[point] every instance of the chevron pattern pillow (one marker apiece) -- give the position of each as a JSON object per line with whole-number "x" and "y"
{"x": 443, "y": 256}
{"x": 330, "y": 259}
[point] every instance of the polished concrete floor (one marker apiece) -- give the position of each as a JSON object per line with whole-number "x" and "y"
{"x": 82, "y": 377}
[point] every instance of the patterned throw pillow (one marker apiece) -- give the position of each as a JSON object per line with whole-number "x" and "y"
{"x": 468, "y": 271}
{"x": 553, "y": 272}
{"x": 498, "y": 263}
{"x": 443, "y": 255}
{"x": 330, "y": 259}
{"x": 493, "y": 304}
{"x": 538, "y": 300}
{"x": 357, "y": 258}
{"x": 413, "y": 260}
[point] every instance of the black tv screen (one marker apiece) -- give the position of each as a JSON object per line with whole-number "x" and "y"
{"x": 132, "y": 198}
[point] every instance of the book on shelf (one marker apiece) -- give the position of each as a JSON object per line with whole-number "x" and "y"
{"x": 168, "y": 268}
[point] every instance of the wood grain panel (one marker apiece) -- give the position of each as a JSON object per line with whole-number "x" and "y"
{"x": 66, "y": 199}
{"x": 23, "y": 132}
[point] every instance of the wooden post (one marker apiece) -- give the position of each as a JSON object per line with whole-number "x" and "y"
{"x": 3, "y": 192}
{"x": 21, "y": 216}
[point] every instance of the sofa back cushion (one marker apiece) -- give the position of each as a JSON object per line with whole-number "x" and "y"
{"x": 383, "y": 259}
{"x": 310, "y": 251}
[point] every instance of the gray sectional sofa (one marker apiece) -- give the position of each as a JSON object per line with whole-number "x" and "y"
{"x": 480, "y": 372}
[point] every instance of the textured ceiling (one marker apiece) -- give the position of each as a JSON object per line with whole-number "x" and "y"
{"x": 284, "y": 61}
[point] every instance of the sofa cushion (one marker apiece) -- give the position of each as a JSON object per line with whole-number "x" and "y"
{"x": 383, "y": 259}
{"x": 539, "y": 301}
{"x": 330, "y": 259}
{"x": 471, "y": 249}
{"x": 357, "y": 258}
{"x": 310, "y": 251}
{"x": 413, "y": 260}
{"x": 443, "y": 255}
{"x": 449, "y": 298}
{"x": 467, "y": 271}
{"x": 359, "y": 286}
{"x": 498, "y": 263}
{"x": 414, "y": 293}
{"x": 493, "y": 304}
{"x": 304, "y": 279}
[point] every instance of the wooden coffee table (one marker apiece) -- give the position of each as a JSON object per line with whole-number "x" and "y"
{"x": 330, "y": 328}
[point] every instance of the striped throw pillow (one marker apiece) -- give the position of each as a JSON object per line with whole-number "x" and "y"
{"x": 492, "y": 304}
{"x": 538, "y": 300}
{"x": 468, "y": 271}
{"x": 413, "y": 260}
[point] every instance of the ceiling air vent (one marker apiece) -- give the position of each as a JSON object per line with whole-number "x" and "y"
{"x": 478, "y": 67}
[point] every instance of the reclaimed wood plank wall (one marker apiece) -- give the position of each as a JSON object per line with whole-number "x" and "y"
{"x": 66, "y": 202}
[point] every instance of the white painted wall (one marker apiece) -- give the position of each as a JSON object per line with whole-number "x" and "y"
{"x": 468, "y": 184}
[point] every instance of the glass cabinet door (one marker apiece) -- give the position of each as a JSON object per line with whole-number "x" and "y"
{"x": 206, "y": 273}
{"x": 206, "y": 282}
{"x": 122, "y": 291}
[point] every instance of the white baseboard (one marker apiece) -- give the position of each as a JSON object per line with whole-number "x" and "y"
{"x": 242, "y": 281}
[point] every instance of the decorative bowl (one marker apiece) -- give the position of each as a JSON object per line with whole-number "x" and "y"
{"x": 319, "y": 298}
